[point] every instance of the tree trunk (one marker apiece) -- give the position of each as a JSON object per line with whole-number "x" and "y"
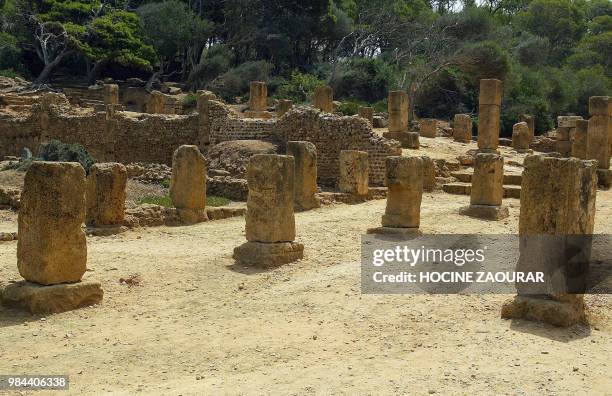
{"x": 49, "y": 68}
{"x": 95, "y": 70}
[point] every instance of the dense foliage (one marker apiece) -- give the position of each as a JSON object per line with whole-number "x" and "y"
{"x": 551, "y": 54}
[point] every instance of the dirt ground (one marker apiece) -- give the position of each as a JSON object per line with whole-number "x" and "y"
{"x": 198, "y": 324}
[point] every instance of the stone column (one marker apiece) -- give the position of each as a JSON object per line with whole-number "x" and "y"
{"x": 521, "y": 137}
{"x": 429, "y": 173}
{"x": 557, "y": 212}
{"x": 397, "y": 106}
{"x": 487, "y": 188}
{"x": 429, "y": 127}
{"x": 203, "y": 117}
{"x": 284, "y": 105}
{"x": 462, "y": 128}
{"x": 530, "y": 120}
{"x": 367, "y": 113}
{"x": 188, "y": 184}
{"x": 579, "y": 142}
{"x": 354, "y": 173}
{"x": 111, "y": 94}
{"x": 270, "y": 220}
{"x": 156, "y": 104}
{"x": 51, "y": 249}
{"x": 564, "y": 133}
{"x": 305, "y": 181}
{"x": 404, "y": 179}
{"x": 598, "y": 147}
{"x": 106, "y": 198}
{"x": 258, "y": 97}
{"x": 489, "y": 110}
{"x": 323, "y": 99}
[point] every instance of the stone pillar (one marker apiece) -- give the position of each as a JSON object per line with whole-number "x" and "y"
{"x": 397, "y": 106}
{"x": 258, "y": 97}
{"x": 111, "y": 94}
{"x": 106, "y": 197}
{"x": 429, "y": 173}
{"x": 579, "y": 141}
{"x": 323, "y": 99}
{"x": 557, "y": 211}
{"x": 598, "y": 147}
{"x": 270, "y": 220}
{"x": 284, "y": 105}
{"x": 489, "y": 110}
{"x": 156, "y": 104}
{"x": 521, "y": 137}
{"x": 305, "y": 181}
{"x": 429, "y": 127}
{"x": 367, "y": 113}
{"x": 188, "y": 184}
{"x": 354, "y": 172}
{"x": 564, "y": 133}
{"x": 404, "y": 179}
{"x": 487, "y": 188}
{"x": 52, "y": 249}
{"x": 203, "y": 117}
{"x": 462, "y": 128}
{"x": 530, "y": 120}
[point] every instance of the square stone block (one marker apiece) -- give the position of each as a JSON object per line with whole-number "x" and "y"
{"x": 40, "y": 299}
{"x": 491, "y": 92}
{"x": 268, "y": 255}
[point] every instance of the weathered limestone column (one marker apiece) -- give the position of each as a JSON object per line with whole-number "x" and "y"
{"x": 52, "y": 250}
{"x": 305, "y": 181}
{"x": 188, "y": 184}
{"x": 557, "y": 207}
{"x": 566, "y": 126}
{"x": 258, "y": 97}
{"x": 487, "y": 188}
{"x": 521, "y": 137}
{"x": 598, "y": 147}
{"x": 397, "y": 106}
{"x": 462, "y": 128}
{"x": 203, "y": 117}
{"x": 429, "y": 127}
{"x": 270, "y": 220}
{"x": 111, "y": 94}
{"x": 530, "y": 120}
{"x": 429, "y": 173}
{"x": 323, "y": 99}
{"x": 284, "y": 105}
{"x": 489, "y": 110}
{"x": 354, "y": 172}
{"x": 579, "y": 142}
{"x": 106, "y": 198}
{"x": 156, "y": 103}
{"x": 404, "y": 179}
{"x": 367, "y": 113}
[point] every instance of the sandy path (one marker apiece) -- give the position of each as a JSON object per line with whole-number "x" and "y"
{"x": 199, "y": 325}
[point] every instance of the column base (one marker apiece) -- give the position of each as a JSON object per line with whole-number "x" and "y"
{"x": 40, "y": 299}
{"x": 604, "y": 178}
{"x": 408, "y": 140}
{"x": 302, "y": 206}
{"x": 402, "y": 231}
{"x": 105, "y": 230}
{"x": 268, "y": 255}
{"x": 556, "y": 313}
{"x": 487, "y": 151}
{"x": 488, "y": 212}
{"x": 192, "y": 216}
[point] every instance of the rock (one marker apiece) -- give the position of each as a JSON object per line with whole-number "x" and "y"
{"x": 106, "y": 194}
{"x": 188, "y": 183}
{"x": 305, "y": 181}
{"x": 40, "y": 299}
{"x": 268, "y": 255}
{"x": 354, "y": 169}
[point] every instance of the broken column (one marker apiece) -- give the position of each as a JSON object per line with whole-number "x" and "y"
{"x": 404, "y": 179}
{"x": 270, "y": 220}
{"x": 52, "y": 249}
{"x": 566, "y": 126}
{"x": 521, "y": 137}
{"x": 462, "y": 128}
{"x": 323, "y": 99}
{"x": 258, "y": 101}
{"x": 106, "y": 198}
{"x": 397, "y": 106}
{"x": 305, "y": 181}
{"x": 429, "y": 173}
{"x": 283, "y": 106}
{"x": 556, "y": 220}
{"x": 203, "y": 117}
{"x": 156, "y": 103}
{"x": 598, "y": 147}
{"x": 487, "y": 188}
{"x": 354, "y": 173}
{"x": 530, "y": 120}
{"x": 429, "y": 127}
{"x": 579, "y": 140}
{"x": 489, "y": 111}
{"x": 188, "y": 184}
{"x": 367, "y": 113}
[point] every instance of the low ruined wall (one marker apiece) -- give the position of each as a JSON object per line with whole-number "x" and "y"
{"x": 225, "y": 125}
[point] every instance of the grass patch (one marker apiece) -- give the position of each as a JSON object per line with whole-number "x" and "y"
{"x": 165, "y": 200}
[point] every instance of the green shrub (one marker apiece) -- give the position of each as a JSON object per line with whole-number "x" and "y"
{"x": 190, "y": 101}
{"x": 363, "y": 79}
{"x": 58, "y": 151}
{"x": 235, "y": 82}
{"x": 212, "y": 200}
{"x": 165, "y": 183}
{"x": 166, "y": 201}
{"x": 299, "y": 87}
{"x": 350, "y": 107}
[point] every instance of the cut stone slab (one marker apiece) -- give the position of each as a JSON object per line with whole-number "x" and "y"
{"x": 395, "y": 230}
{"x": 509, "y": 178}
{"x": 461, "y": 188}
{"x": 489, "y": 212}
{"x": 556, "y": 313}
{"x": 409, "y": 140}
{"x": 39, "y": 299}
{"x": 268, "y": 255}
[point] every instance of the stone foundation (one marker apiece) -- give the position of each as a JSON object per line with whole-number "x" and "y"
{"x": 268, "y": 255}
{"x": 42, "y": 300}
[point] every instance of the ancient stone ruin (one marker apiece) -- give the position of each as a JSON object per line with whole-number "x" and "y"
{"x": 530, "y": 120}
{"x": 367, "y": 113}
{"x": 462, "y": 128}
{"x": 188, "y": 184}
{"x": 487, "y": 189}
{"x": 52, "y": 250}
{"x": 579, "y": 141}
{"x": 270, "y": 220}
{"x": 566, "y": 126}
{"x": 557, "y": 199}
{"x": 429, "y": 127}
{"x": 105, "y": 198}
{"x": 489, "y": 110}
{"x": 305, "y": 181}
{"x": 397, "y": 107}
{"x": 521, "y": 137}
{"x": 323, "y": 99}
{"x": 354, "y": 173}
{"x": 598, "y": 146}
{"x": 405, "y": 190}
{"x": 283, "y": 106}
{"x": 258, "y": 101}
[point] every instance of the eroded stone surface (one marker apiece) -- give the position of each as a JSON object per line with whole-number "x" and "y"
{"x": 106, "y": 194}
{"x": 188, "y": 183}
{"x": 38, "y": 299}
{"x": 354, "y": 172}
{"x": 305, "y": 182}
{"x": 267, "y": 255}
{"x": 405, "y": 191}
